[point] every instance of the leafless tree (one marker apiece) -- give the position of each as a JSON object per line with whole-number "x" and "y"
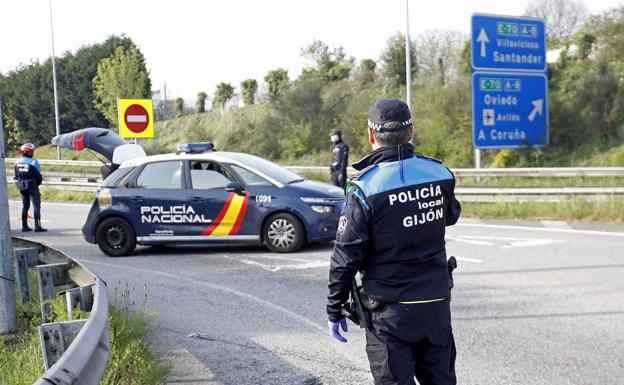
{"x": 438, "y": 53}
{"x": 563, "y": 17}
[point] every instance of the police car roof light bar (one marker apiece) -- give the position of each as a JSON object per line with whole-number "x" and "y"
{"x": 194, "y": 148}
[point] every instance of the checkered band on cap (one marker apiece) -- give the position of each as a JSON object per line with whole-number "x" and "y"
{"x": 389, "y": 115}
{"x": 389, "y": 126}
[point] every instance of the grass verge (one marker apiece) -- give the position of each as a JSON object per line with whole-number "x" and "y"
{"x": 573, "y": 209}
{"x": 131, "y": 361}
{"x": 51, "y": 194}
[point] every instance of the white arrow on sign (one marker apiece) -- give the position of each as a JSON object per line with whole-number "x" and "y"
{"x": 483, "y": 39}
{"x": 538, "y": 107}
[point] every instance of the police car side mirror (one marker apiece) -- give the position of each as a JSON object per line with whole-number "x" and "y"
{"x": 235, "y": 187}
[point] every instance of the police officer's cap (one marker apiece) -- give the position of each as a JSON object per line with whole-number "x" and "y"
{"x": 336, "y": 132}
{"x": 388, "y": 115}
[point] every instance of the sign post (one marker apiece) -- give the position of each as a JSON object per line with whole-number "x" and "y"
{"x": 509, "y": 83}
{"x": 136, "y": 118}
{"x": 7, "y": 285}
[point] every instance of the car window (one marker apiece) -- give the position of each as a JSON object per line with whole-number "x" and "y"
{"x": 209, "y": 175}
{"x": 250, "y": 178}
{"x": 116, "y": 176}
{"x": 268, "y": 168}
{"x": 161, "y": 175}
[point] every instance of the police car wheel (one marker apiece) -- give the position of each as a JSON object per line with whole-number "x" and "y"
{"x": 283, "y": 233}
{"x": 115, "y": 237}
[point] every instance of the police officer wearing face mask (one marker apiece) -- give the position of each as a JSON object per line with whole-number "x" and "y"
{"x": 391, "y": 230}
{"x": 28, "y": 177}
{"x": 340, "y": 159}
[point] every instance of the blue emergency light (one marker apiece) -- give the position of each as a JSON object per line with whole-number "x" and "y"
{"x": 194, "y": 148}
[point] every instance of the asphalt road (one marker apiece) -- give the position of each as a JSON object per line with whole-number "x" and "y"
{"x": 532, "y": 305}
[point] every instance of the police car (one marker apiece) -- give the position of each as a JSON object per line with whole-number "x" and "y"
{"x": 202, "y": 196}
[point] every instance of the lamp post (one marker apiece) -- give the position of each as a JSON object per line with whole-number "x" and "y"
{"x": 56, "y": 108}
{"x": 408, "y": 60}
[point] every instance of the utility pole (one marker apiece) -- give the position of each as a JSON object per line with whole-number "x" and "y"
{"x": 56, "y": 108}
{"x": 408, "y": 60}
{"x": 8, "y": 323}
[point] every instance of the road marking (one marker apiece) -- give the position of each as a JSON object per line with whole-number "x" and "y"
{"x": 556, "y": 225}
{"x": 543, "y": 229}
{"x": 305, "y": 264}
{"x": 213, "y": 286}
{"x": 503, "y": 242}
{"x": 466, "y": 259}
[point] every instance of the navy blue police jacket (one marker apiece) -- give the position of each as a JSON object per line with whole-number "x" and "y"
{"x": 392, "y": 229}
{"x": 27, "y": 168}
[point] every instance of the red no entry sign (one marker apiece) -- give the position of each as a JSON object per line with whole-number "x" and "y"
{"x": 136, "y": 118}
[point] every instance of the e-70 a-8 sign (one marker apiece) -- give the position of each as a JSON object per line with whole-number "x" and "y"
{"x": 508, "y": 43}
{"x": 509, "y": 83}
{"x": 509, "y": 109}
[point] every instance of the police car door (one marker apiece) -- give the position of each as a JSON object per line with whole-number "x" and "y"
{"x": 219, "y": 212}
{"x": 157, "y": 201}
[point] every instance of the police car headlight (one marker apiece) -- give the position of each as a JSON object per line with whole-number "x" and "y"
{"x": 320, "y": 200}
{"x": 322, "y": 209}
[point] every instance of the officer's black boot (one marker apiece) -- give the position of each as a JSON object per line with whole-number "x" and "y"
{"x": 38, "y": 227}
{"x": 25, "y": 224}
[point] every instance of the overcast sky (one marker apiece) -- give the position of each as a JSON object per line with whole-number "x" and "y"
{"x": 193, "y": 45}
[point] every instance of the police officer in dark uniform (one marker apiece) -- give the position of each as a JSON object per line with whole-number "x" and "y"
{"x": 340, "y": 159}
{"x": 391, "y": 230}
{"x": 28, "y": 177}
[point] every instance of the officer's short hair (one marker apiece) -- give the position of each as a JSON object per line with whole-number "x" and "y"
{"x": 393, "y": 138}
{"x": 390, "y": 121}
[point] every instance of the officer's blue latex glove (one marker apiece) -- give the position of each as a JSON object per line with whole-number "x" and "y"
{"x": 334, "y": 329}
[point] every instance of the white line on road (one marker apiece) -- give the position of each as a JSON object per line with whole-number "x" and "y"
{"x": 556, "y": 225}
{"x": 212, "y": 286}
{"x": 306, "y": 264}
{"x": 466, "y": 259}
{"x": 530, "y": 228}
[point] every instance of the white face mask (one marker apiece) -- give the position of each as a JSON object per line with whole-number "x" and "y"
{"x": 334, "y": 138}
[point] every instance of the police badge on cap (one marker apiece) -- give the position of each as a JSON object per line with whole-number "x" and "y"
{"x": 388, "y": 115}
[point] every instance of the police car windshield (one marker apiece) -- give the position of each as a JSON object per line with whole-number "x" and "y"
{"x": 267, "y": 167}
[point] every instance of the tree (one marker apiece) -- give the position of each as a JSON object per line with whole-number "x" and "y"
{"x": 366, "y": 71}
{"x": 562, "y": 17}
{"x": 248, "y": 91}
{"x": 28, "y": 98}
{"x": 120, "y": 76}
{"x": 223, "y": 94}
{"x": 393, "y": 61}
{"x": 178, "y": 107}
{"x": 439, "y": 54}
{"x": 277, "y": 82}
{"x": 200, "y": 104}
{"x": 331, "y": 64}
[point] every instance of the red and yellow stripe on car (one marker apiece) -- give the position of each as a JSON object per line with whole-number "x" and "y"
{"x": 229, "y": 220}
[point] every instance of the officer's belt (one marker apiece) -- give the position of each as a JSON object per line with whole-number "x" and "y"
{"x": 425, "y": 301}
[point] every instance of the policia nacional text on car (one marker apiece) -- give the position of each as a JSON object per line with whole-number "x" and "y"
{"x": 391, "y": 230}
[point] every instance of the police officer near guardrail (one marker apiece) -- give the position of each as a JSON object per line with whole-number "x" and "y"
{"x": 340, "y": 159}
{"x": 28, "y": 177}
{"x": 391, "y": 230}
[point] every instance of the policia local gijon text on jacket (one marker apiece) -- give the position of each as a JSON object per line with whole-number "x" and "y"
{"x": 392, "y": 231}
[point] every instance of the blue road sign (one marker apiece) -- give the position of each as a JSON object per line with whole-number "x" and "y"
{"x": 509, "y": 109}
{"x": 506, "y": 43}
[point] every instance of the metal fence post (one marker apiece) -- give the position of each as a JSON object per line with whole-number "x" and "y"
{"x": 8, "y": 323}
{"x": 24, "y": 259}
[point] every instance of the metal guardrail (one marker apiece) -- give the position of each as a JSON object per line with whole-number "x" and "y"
{"x": 506, "y": 172}
{"x": 459, "y": 172}
{"x": 90, "y": 182}
{"x": 75, "y": 352}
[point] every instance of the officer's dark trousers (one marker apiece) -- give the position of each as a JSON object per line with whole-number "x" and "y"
{"x": 34, "y": 195}
{"x": 339, "y": 178}
{"x": 410, "y": 341}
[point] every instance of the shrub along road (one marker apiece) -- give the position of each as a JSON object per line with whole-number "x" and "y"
{"x": 539, "y": 305}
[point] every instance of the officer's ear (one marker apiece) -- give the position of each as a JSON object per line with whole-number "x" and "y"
{"x": 371, "y": 137}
